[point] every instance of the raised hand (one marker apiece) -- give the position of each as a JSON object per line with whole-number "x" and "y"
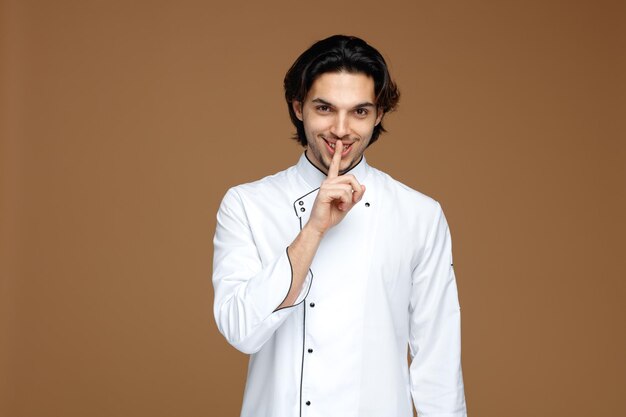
{"x": 336, "y": 196}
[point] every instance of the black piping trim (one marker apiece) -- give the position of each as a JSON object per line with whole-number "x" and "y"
{"x": 309, "y": 289}
{"x": 325, "y": 173}
{"x": 291, "y": 283}
{"x": 295, "y": 208}
{"x": 303, "y": 344}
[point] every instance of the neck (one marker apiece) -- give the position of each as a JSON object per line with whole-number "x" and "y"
{"x": 324, "y": 169}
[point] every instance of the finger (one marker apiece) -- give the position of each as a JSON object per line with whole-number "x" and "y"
{"x": 358, "y": 195}
{"x": 347, "y": 198}
{"x": 339, "y": 195}
{"x": 353, "y": 182}
{"x": 346, "y": 201}
{"x": 333, "y": 170}
{"x": 337, "y": 191}
{"x": 357, "y": 187}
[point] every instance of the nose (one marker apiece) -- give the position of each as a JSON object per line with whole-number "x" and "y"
{"x": 340, "y": 127}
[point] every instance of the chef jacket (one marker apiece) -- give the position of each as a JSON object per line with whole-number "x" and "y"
{"x": 381, "y": 280}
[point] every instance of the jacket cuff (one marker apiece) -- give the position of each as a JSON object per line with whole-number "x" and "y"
{"x": 304, "y": 291}
{"x": 270, "y": 290}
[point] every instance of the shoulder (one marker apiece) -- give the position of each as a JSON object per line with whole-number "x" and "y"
{"x": 413, "y": 216}
{"x": 265, "y": 189}
{"x": 403, "y": 196}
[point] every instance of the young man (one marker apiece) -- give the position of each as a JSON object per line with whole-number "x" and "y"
{"x": 327, "y": 271}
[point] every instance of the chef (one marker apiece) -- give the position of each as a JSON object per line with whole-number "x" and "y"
{"x": 329, "y": 272}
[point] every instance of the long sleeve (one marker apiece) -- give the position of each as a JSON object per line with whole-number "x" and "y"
{"x": 435, "y": 329}
{"x": 247, "y": 292}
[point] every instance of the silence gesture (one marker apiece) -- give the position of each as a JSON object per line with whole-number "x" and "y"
{"x": 337, "y": 195}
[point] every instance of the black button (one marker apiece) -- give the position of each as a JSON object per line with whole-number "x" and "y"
{"x": 367, "y": 204}
{"x": 310, "y": 350}
{"x": 301, "y": 203}
{"x": 312, "y": 304}
{"x": 308, "y": 403}
{"x": 302, "y": 209}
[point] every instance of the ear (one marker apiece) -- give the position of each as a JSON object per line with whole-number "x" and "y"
{"x": 379, "y": 115}
{"x": 297, "y": 108}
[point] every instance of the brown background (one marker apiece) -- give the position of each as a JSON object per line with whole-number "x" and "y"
{"x": 123, "y": 125}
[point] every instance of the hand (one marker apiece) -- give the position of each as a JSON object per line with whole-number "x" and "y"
{"x": 336, "y": 196}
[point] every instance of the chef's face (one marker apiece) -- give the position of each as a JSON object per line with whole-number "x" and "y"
{"x": 339, "y": 105}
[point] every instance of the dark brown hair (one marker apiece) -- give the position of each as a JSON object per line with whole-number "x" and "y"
{"x": 335, "y": 54}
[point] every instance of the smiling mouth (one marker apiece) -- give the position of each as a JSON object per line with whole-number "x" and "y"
{"x": 330, "y": 146}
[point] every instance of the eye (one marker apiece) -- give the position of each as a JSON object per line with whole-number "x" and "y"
{"x": 361, "y": 112}
{"x": 322, "y": 108}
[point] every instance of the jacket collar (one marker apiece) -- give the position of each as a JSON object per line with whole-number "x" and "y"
{"x": 314, "y": 177}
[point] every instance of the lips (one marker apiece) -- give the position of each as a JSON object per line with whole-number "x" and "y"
{"x": 330, "y": 146}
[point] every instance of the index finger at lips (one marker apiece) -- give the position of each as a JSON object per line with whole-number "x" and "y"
{"x": 333, "y": 170}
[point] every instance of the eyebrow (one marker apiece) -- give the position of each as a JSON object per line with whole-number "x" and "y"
{"x": 326, "y": 103}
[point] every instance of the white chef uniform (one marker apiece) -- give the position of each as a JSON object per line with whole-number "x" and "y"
{"x": 381, "y": 280}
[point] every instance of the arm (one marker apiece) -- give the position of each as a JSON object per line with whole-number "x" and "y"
{"x": 250, "y": 300}
{"x": 336, "y": 197}
{"x": 247, "y": 292}
{"x": 435, "y": 329}
{"x": 301, "y": 253}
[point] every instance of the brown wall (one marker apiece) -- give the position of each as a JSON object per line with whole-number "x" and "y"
{"x": 123, "y": 125}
